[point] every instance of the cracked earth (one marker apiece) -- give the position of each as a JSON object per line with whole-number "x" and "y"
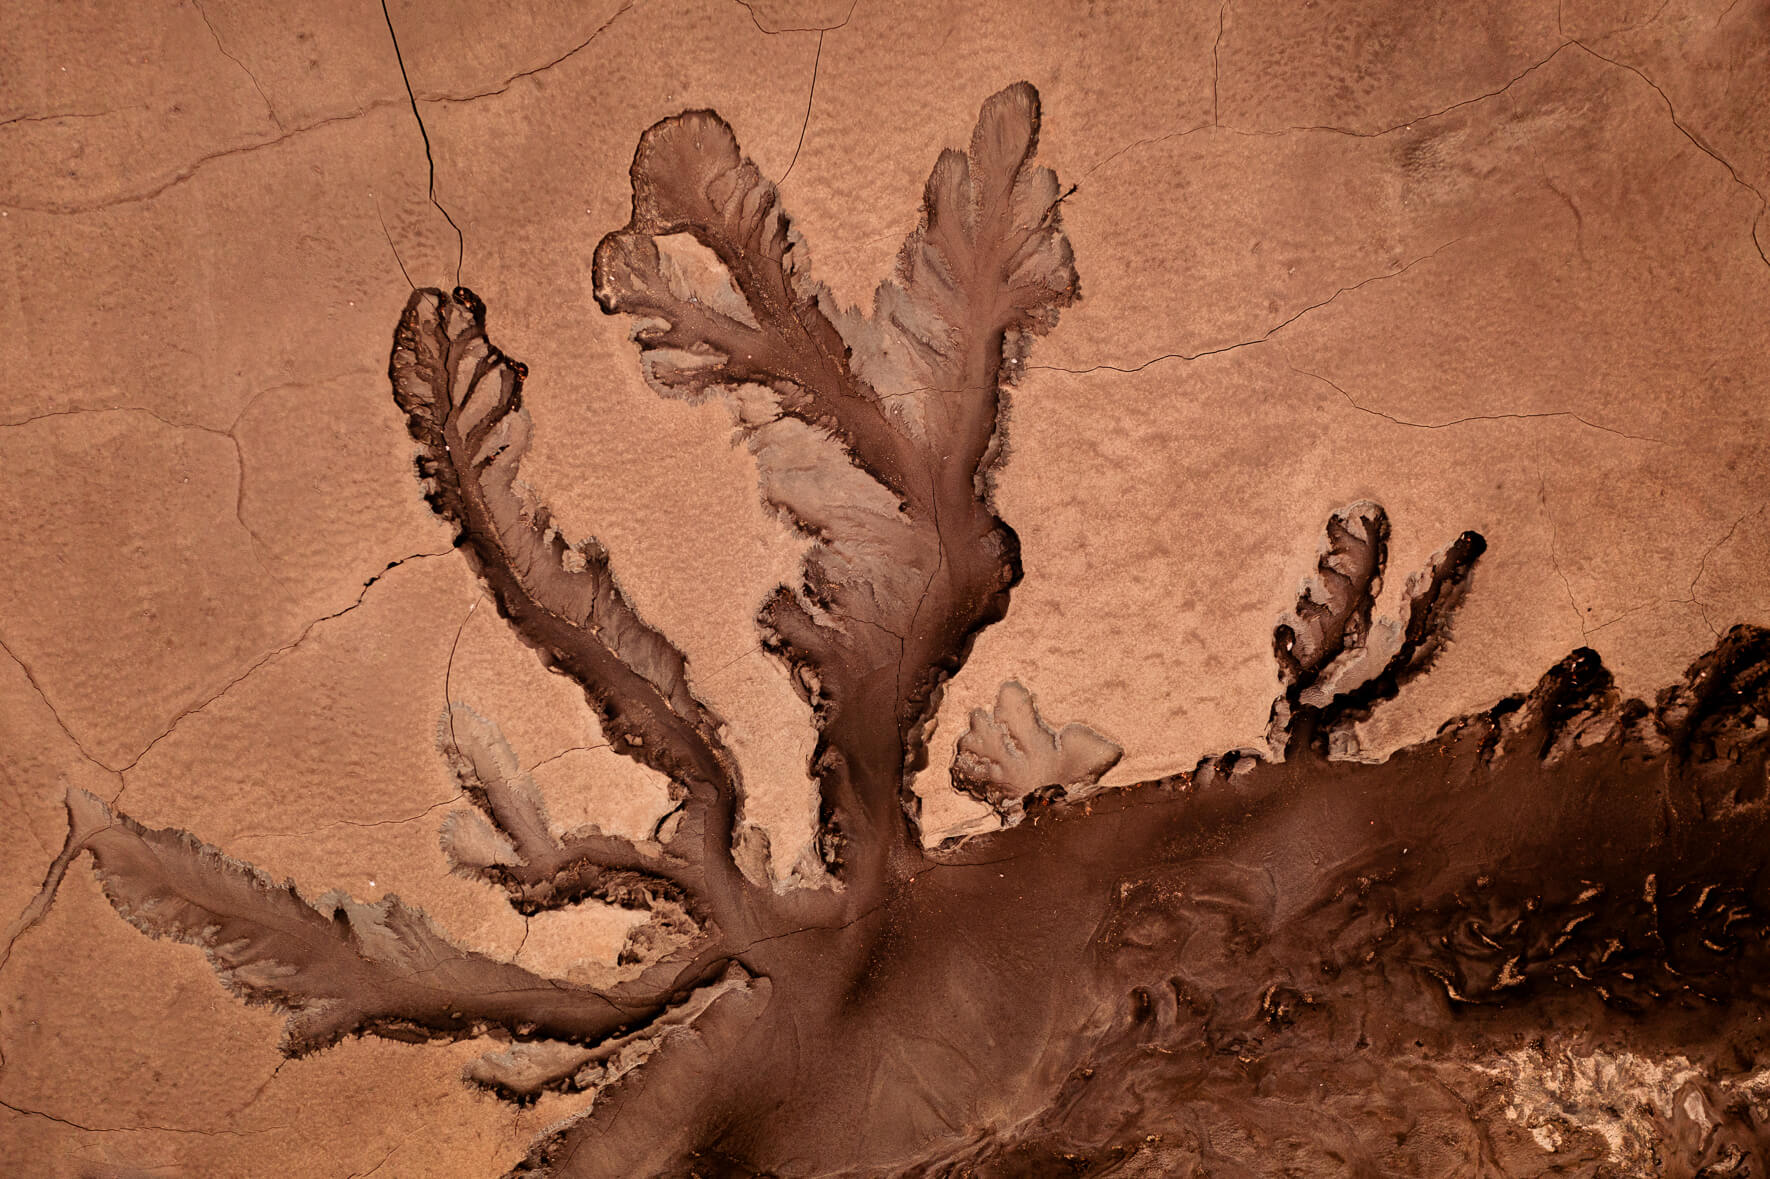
{"x": 1501, "y": 270}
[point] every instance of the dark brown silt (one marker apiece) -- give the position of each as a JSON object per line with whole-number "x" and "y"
{"x": 1289, "y": 961}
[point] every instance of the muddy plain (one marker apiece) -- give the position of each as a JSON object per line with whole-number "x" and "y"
{"x": 1499, "y": 268}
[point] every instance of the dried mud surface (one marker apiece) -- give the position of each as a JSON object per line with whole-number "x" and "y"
{"x": 1499, "y": 270}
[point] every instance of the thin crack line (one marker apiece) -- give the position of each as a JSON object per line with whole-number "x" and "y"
{"x": 259, "y": 1092}
{"x": 1572, "y": 43}
{"x": 388, "y": 234}
{"x": 1695, "y": 140}
{"x": 542, "y": 68}
{"x": 260, "y": 549}
{"x": 1260, "y": 339}
{"x": 809, "y": 96}
{"x": 250, "y": 76}
{"x": 1629, "y": 613}
{"x": 190, "y": 169}
{"x": 1222, "y": 12}
{"x": 449, "y": 675}
{"x": 252, "y": 835}
{"x": 1147, "y": 141}
{"x": 1295, "y": 129}
{"x": 1702, "y": 568}
{"x": 899, "y": 890}
{"x": 768, "y": 32}
{"x": 59, "y": 116}
{"x": 199, "y": 426}
{"x": 269, "y": 657}
{"x": 1478, "y": 417}
{"x": 729, "y": 664}
{"x": 97, "y": 409}
{"x": 71, "y": 208}
{"x": 379, "y": 1165}
{"x": 1437, "y": 114}
{"x": 1542, "y": 497}
{"x": 429, "y": 158}
{"x": 142, "y": 1129}
{"x": 31, "y": 678}
{"x": 1725, "y": 13}
{"x": 546, "y": 761}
